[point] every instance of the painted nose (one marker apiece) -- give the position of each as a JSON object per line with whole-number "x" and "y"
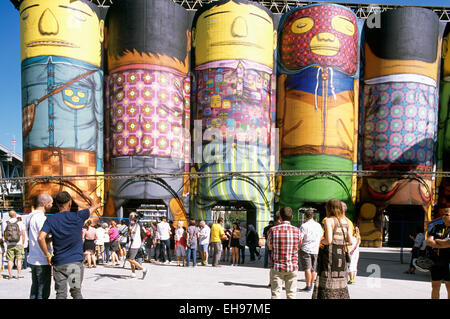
{"x": 326, "y": 36}
{"x": 48, "y": 24}
{"x": 239, "y": 28}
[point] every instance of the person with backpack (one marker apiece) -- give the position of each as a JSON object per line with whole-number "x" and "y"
{"x": 14, "y": 234}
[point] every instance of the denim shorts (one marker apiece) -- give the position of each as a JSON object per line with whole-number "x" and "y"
{"x": 203, "y": 248}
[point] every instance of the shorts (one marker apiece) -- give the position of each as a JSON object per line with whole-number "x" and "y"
{"x": 114, "y": 246}
{"x": 203, "y": 248}
{"x": 15, "y": 252}
{"x": 440, "y": 272}
{"x": 89, "y": 245}
{"x": 99, "y": 249}
{"x": 180, "y": 251}
{"x": 308, "y": 261}
{"x": 234, "y": 242}
{"x": 123, "y": 244}
{"x": 132, "y": 253}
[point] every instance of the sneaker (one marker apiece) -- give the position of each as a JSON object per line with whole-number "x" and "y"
{"x": 144, "y": 273}
{"x": 133, "y": 275}
{"x": 350, "y": 282}
{"x": 166, "y": 262}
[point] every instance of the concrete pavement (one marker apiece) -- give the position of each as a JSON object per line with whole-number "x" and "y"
{"x": 380, "y": 276}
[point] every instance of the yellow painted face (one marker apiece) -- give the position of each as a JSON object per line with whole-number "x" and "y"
{"x": 60, "y": 27}
{"x": 234, "y": 31}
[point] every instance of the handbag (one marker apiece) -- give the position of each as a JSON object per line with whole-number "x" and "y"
{"x": 348, "y": 258}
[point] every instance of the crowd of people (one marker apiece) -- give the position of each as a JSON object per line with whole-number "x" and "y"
{"x": 66, "y": 243}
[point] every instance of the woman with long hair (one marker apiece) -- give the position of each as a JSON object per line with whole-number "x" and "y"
{"x": 234, "y": 244}
{"x": 331, "y": 280}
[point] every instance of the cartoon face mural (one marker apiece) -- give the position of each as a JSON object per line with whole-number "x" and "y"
{"x": 325, "y": 35}
{"x": 61, "y": 28}
{"x": 62, "y": 96}
{"x": 234, "y": 94}
{"x": 406, "y": 43}
{"x": 239, "y": 30}
{"x": 316, "y": 103}
{"x": 398, "y": 116}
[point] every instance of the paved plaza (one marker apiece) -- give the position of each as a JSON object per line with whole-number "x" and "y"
{"x": 380, "y": 276}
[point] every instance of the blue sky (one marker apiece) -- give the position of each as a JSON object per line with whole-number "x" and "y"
{"x": 10, "y": 115}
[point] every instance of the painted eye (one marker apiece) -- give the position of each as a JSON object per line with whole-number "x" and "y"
{"x": 25, "y": 16}
{"x": 302, "y": 25}
{"x": 343, "y": 25}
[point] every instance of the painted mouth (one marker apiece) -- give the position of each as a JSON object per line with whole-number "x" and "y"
{"x": 324, "y": 47}
{"x": 56, "y": 43}
{"x": 244, "y": 43}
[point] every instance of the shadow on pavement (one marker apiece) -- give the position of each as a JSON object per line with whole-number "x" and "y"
{"x": 229, "y": 283}
{"x": 111, "y": 276}
{"x": 388, "y": 266}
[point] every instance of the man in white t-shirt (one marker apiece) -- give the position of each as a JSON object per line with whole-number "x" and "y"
{"x": 40, "y": 270}
{"x": 14, "y": 250}
{"x": 204, "y": 238}
{"x": 163, "y": 229}
{"x": 311, "y": 233}
{"x": 99, "y": 243}
{"x": 136, "y": 243}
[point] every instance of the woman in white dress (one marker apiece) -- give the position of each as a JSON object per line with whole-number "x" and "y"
{"x": 354, "y": 253}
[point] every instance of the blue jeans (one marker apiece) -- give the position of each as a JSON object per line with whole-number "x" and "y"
{"x": 266, "y": 256}
{"x": 192, "y": 251}
{"x": 165, "y": 247}
{"x": 40, "y": 282}
{"x": 107, "y": 251}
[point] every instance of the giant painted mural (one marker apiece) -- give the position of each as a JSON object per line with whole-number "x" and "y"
{"x": 317, "y": 104}
{"x": 62, "y": 97}
{"x": 398, "y": 115}
{"x": 234, "y": 99}
{"x": 148, "y": 102}
{"x": 338, "y": 104}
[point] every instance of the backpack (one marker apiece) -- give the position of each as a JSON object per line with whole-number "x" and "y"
{"x": 12, "y": 232}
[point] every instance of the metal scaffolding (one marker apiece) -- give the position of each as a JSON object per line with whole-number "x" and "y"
{"x": 281, "y": 6}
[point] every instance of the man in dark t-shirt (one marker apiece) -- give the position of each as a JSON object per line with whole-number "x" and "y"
{"x": 438, "y": 239}
{"x": 66, "y": 230}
